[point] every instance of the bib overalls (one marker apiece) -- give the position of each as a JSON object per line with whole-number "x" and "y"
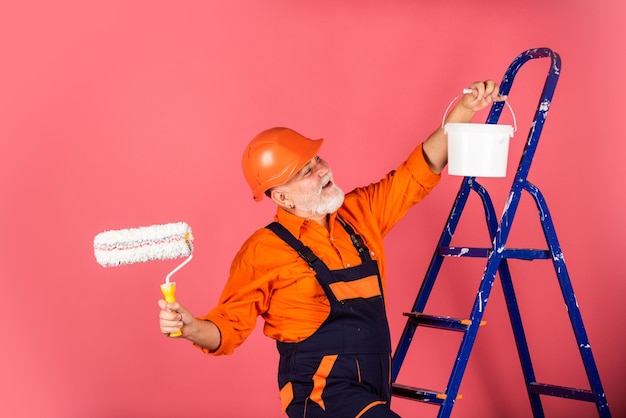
{"x": 343, "y": 369}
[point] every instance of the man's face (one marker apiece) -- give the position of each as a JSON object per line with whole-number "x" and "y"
{"x": 313, "y": 189}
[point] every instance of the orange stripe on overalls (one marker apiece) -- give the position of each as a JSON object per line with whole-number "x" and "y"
{"x": 319, "y": 379}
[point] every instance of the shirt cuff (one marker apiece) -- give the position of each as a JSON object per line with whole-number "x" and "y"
{"x": 221, "y": 350}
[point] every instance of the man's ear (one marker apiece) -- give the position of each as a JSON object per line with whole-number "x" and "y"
{"x": 281, "y": 199}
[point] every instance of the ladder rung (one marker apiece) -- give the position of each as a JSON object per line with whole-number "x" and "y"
{"x": 518, "y": 253}
{"x": 562, "y": 392}
{"x": 419, "y": 394}
{"x": 441, "y": 322}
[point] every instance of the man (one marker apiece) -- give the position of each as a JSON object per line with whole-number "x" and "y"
{"x": 317, "y": 273}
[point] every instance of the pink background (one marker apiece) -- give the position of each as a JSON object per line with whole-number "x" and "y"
{"x": 119, "y": 114}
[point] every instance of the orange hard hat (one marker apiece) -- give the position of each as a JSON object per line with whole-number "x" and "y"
{"x": 274, "y": 156}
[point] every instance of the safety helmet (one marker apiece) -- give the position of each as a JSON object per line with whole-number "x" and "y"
{"x": 274, "y": 156}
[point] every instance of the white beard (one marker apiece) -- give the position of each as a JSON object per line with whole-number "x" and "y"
{"x": 323, "y": 202}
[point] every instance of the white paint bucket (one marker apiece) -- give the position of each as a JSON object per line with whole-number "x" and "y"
{"x": 478, "y": 150}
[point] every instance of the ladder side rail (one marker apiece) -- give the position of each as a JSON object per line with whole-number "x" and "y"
{"x": 533, "y": 138}
{"x": 512, "y": 70}
{"x": 542, "y": 108}
{"x": 540, "y": 116}
{"x": 499, "y": 242}
{"x": 482, "y": 296}
{"x": 512, "y": 307}
{"x": 511, "y": 205}
{"x": 523, "y": 351}
{"x": 549, "y": 232}
{"x": 429, "y": 280}
{"x": 509, "y": 76}
{"x": 467, "y": 342}
{"x": 501, "y": 235}
{"x": 490, "y": 212}
{"x": 486, "y": 284}
{"x": 469, "y": 184}
{"x": 571, "y": 302}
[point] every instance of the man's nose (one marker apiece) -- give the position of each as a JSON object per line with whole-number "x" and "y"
{"x": 322, "y": 168}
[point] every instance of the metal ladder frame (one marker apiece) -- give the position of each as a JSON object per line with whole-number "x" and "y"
{"x": 497, "y": 262}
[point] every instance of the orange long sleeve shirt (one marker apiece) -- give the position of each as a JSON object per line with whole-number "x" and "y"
{"x": 269, "y": 279}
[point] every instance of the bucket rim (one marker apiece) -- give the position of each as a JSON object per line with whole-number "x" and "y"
{"x": 503, "y": 128}
{"x": 443, "y": 120}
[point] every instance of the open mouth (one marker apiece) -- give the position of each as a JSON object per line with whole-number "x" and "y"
{"x": 327, "y": 182}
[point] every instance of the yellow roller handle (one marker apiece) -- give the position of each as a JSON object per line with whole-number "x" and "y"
{"x": 169, "y": 292}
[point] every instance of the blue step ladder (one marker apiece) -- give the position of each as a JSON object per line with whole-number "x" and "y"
{"x": 497, "y": 257}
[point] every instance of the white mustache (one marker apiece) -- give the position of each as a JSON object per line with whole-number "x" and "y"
{"x": 325, "y": 180}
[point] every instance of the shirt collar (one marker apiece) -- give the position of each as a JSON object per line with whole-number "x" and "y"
{"x": 294, "y": 224}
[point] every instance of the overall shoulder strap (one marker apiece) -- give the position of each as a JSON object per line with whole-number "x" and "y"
{"x": 305, "y": 252}
{"x": 357, "y": 241}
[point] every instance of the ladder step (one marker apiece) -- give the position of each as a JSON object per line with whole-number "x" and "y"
{"x": 441, "y": 322}
{"x": 517, "y": 253}
{"x": 562, "y": 392}
{"x": 419, "y": 394}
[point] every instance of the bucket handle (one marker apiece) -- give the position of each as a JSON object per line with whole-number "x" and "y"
{"x": 467, "y": 91}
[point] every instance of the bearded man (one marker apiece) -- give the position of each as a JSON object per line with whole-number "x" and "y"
{"x": 316, "y": 275}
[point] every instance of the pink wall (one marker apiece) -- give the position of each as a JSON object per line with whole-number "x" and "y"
{"x": 118, "y": 114}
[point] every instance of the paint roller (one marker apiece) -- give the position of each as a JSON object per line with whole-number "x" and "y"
{"x": 146, "y": 243}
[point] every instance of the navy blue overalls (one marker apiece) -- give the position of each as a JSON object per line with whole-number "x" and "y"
{"x": 343, "y": 369}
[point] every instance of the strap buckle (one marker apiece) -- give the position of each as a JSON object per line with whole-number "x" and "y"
{"x": 306, "y": 253}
